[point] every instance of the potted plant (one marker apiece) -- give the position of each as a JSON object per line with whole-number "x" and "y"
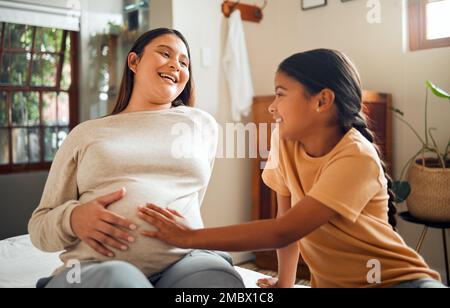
{"x": 425, "y": 179}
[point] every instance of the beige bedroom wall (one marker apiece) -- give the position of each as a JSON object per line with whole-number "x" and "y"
{"x": 160, "y": 14}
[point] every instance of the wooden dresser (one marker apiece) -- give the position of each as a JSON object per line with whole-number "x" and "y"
{"x": 377, "y": 108}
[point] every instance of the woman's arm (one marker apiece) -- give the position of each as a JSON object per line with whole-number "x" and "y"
{"x": 298, "y": 222}
{"x": 61, "y": 221}
{"x": 49, "y": 227}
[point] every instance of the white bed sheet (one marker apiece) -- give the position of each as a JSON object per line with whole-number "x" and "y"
{"x": 22, "y": 265}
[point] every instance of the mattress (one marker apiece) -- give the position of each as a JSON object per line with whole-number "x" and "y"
{"x": 22, "y": 265}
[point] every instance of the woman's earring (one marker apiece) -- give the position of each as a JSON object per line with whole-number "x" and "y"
{"x": 318, "y": 109}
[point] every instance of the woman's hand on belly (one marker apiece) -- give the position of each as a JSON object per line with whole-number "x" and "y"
{"x": 96, "y": 226}
{"x": 171, "y": 226}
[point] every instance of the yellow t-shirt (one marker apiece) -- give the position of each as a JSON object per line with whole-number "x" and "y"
{"x": 347, "y": 251}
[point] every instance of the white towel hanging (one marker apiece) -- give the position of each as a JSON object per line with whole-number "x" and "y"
{"x": 237, "y": 68}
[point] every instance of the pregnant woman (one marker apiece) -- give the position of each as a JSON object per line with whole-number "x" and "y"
{"x": 154, "y": 146}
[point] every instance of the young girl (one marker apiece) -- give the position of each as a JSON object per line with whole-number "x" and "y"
{"x": 333, "y": 193}
{"x": 131, "y": 154}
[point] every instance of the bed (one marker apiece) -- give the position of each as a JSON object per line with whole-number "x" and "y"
{"x": 21, "y": 265}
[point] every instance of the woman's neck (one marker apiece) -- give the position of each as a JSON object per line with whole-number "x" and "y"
{"x": 140, "y": 103}
{"x": 322, "y": 141}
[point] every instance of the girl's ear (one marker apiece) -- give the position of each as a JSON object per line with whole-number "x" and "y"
{"x": 133, "y": 61}
{"x": 325, "y": 100}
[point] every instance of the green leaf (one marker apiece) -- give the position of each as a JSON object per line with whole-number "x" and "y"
{"x": 397, "y": 111}
{"x": 401, "y": 191}
{"x": 447, "y": 149}
{"x": 437, "y": 91}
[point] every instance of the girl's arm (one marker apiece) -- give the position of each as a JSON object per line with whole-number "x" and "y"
{"x": 288, "y": 256}
{"x": 308, "y": 215}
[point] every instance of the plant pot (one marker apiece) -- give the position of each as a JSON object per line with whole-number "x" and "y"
{"x": 430, "y": 191}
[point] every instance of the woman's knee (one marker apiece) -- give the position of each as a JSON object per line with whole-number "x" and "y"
{"x": 119, "y": 274}
{"x": 202, "y": 269}
{"x": 212, "y": 279}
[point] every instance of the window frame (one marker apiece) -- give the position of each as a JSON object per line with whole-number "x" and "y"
{"x": 417, "y": 19}
{"x": 73, "y": 94}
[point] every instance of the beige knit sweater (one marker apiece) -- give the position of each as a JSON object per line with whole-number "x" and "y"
{"x": 161, "y": 157}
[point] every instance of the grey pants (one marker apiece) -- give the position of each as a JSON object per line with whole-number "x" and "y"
{"x": 420, "y": 284}
{"x": 198, "y": 269}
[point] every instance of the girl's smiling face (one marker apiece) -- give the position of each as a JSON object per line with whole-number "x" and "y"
{"x": 162, "y": 72}
{"x": 293, "y": 108}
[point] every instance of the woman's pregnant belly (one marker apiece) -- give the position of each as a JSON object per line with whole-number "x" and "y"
{"x": 149, "y": 255}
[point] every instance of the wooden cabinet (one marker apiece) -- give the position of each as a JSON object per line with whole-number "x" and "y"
{"x": 377, "y": 108}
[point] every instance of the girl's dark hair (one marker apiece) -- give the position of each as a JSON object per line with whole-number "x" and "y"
{"x": 126, "y": 87}
{"x": 329, "y": 69}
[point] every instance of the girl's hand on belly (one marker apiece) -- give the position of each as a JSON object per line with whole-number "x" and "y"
{"x": 96, "y": 226}
{"x": 171, "y": 226}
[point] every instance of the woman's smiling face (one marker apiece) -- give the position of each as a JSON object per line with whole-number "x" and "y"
{"x": 162, "y": 72}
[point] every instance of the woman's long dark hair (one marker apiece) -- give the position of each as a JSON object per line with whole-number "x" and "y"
{"x": 323, "y": 68}
{"x": 126, "y": 87}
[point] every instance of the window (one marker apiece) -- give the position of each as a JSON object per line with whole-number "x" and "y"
{"x": 38, "y": 94}
{"x": 429, "y": 24}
